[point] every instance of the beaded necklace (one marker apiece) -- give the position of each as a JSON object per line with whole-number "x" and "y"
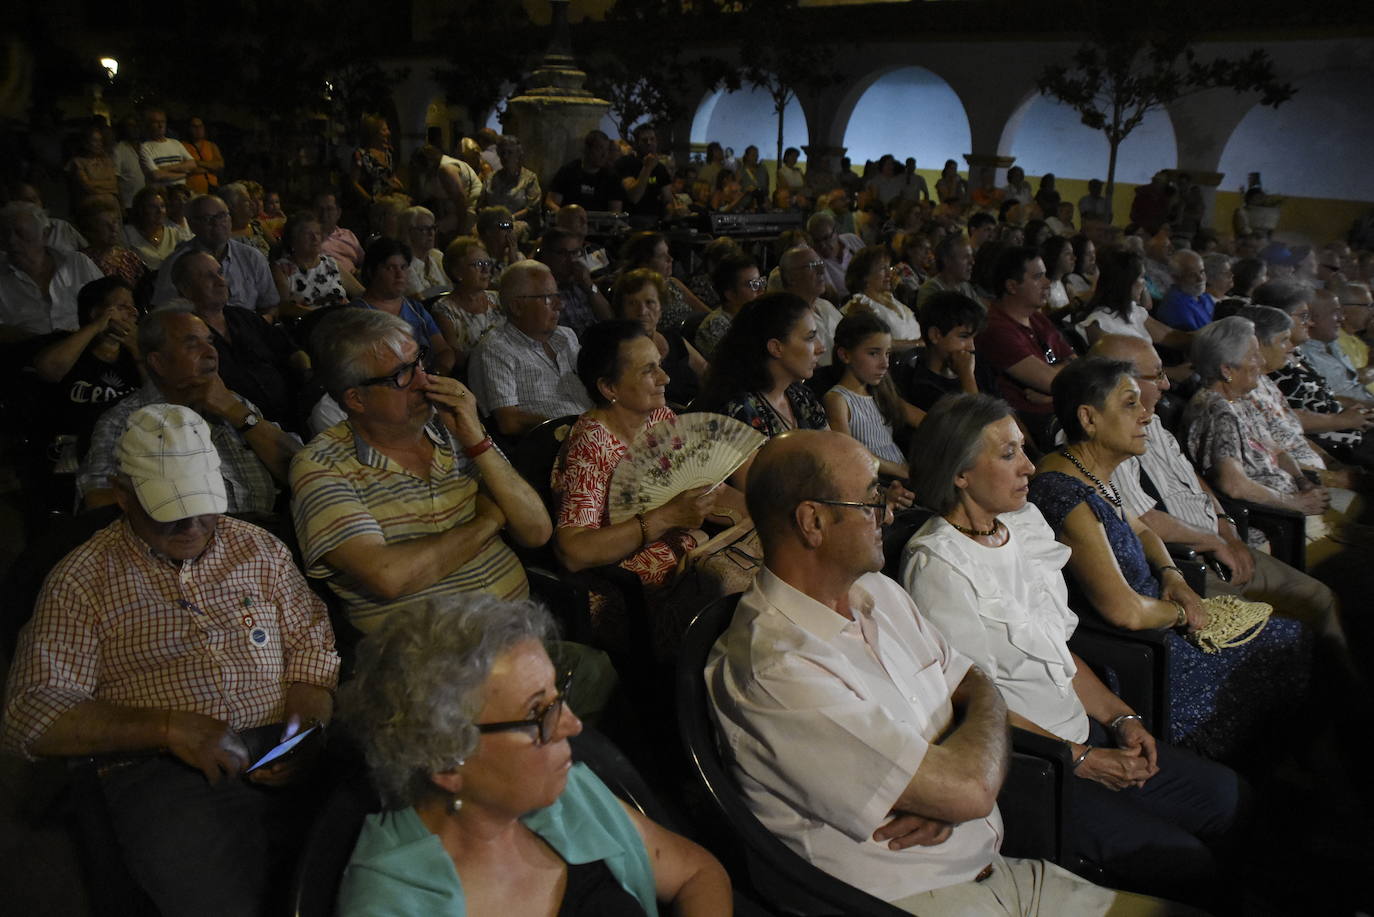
{"x": 1113, "y": 496}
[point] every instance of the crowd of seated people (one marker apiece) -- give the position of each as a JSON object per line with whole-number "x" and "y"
{"x": 359, "y": 377}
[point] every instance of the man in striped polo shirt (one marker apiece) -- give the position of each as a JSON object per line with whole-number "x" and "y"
{"x": 406, "y": 498}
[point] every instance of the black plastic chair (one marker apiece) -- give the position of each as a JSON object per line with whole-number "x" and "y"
{"x": 1033, "y": 797}
{"x": 780, "y": 875}
{"x": 1285, "y": 529}
{"x": 1133, "y": 663}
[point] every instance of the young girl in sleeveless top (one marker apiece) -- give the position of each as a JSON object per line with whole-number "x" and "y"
{"x": 864, "y": 403}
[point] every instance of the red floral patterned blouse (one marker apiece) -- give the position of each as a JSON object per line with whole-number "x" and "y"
{"x": 582, "y": 479}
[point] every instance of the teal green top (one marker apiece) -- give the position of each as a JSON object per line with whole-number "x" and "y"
{"x": 400, "y": 869}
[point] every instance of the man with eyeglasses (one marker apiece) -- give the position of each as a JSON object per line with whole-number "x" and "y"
{"x": 1163, "y": 488}
{"x": 1356, "y": 304}
{"x": 582, "y": 302}
{"x": 406, "y": 498}
{"x": 243, "y": 266}
{"x": 1021, "y": 343}
{"x": 736, "y": 278}
{"x": 858, "y": 735}
{"x": 836, "y": 249}
{"x": 524, "y": 372}
{"x": 803, "y": 272}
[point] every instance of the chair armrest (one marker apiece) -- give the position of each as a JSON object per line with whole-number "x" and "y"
{"x": 1133, "y": 663}
{"x": 1190, "y": 564}
{"x": 1285, "y": 528}
{"x": 568, "y": 600}
{"x": 1034, "y": 800}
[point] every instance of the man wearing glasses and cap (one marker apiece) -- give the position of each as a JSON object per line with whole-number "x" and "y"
{"x": 173, "y": 648}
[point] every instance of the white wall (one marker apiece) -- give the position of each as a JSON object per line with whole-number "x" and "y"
{"x": 909, "y": 112}
{"x": 1318, "y": 144}
{"x": 738, "y": 119}
{"x": 1048, "y": 136}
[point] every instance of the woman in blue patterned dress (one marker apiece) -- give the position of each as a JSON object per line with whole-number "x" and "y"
{"x": 1219, "y": 703}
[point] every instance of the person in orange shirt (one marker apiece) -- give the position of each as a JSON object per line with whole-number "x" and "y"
{"x": 209, "y": 160}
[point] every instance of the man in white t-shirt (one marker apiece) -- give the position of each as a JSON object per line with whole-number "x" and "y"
{"x": 165, "y": 161}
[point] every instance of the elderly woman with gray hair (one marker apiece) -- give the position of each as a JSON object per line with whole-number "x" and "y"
{"x": 987, "y": 571}
{"x": 427, "y": 278}
{"x": 1232, "y": 445}
{"x": 1220, "y": 703}
{"x": 462, "y": 719}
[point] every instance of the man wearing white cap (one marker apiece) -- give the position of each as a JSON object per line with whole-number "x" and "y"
{"x": 165, "y": 648}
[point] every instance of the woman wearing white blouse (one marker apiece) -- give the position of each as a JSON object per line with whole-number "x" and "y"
{"x": 986, "y": 570}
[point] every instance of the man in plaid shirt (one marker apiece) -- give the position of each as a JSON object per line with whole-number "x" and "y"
{"x": 173, "y": 648}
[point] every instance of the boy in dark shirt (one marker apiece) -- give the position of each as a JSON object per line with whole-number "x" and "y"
{"x": 949, "y": 322}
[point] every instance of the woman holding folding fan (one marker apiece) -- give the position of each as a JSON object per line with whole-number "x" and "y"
{"x": 621, "y": 368}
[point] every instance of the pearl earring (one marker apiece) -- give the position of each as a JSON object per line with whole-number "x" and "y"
{"x": 455, "y": 805}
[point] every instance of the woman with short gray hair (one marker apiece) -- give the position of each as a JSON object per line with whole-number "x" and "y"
{"x": 1232, "y": 447}
{"x": 463, "y": 723}
{"x": 988, "y": 572}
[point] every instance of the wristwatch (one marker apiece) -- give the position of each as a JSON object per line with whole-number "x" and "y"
{"x": 249, "y": 422}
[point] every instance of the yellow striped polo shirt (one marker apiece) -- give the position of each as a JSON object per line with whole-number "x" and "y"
{"x": 342, "y": 488}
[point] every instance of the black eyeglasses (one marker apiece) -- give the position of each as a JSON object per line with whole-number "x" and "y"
{"x": 817, "y": 266}
{"x": 878, "y": 508}
{"x": 402, "y": 377}
{"x": 483, "y": 265}
{"x": 758, "y": 284}
{"x": 544, "y": 722}
{"x": 505, "y": 224}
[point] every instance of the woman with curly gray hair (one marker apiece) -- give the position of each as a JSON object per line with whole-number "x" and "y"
{"x": 463, "y": 723}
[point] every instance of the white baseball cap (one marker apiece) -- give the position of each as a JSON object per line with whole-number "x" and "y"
{"x": 166, "y": 451}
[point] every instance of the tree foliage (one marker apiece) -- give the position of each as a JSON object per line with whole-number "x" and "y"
{"x": 642, "y": 73}
{"x": 1122, "y": 74}
{"x": 778, "y": 52}
{"x": 490, "y": 44}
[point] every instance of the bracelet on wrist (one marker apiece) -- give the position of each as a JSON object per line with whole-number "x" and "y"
{"x": 1182, "y": 618}
{"x": 643, "y": 530}
{"x": 1121, "y": 720}
{"x": 1081, "y": 758}
{"x": 1169, "y": 567}
{"x": 478, "y": 448}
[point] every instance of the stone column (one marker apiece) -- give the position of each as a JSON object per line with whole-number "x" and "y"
{"x": 554, "y": 113}
{"x": 981, "y": 164}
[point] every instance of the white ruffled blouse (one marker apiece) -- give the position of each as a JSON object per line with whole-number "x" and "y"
{"x": 1006, "y": 608}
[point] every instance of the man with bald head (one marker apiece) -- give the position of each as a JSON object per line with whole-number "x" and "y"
{"x": 1187, "y": 305}
{"x": 1164, "y": 489}
{"x": 858, "y": 735}
{"x": 802, "y": 272}
{"x": 243, "y": 266}
{"x": 525, "y": 371}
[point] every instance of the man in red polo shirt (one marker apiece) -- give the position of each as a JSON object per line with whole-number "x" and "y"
{"x": 1021, "y": 343}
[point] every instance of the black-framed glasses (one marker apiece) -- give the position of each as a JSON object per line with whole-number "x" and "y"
{"x": 817, "y": 266}
{"x": 878, "y": 508}
{"x": 482, "y": 265}
{"x": 757, "y": 284}
{"x": 506, "y": 225}
{"x": 544, "y": 722}
{"x": 403, "y": 376}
